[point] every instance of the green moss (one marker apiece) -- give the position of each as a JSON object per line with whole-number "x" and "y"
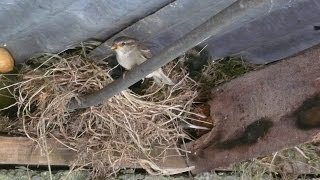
{"x": 225, "y": 70}
{"x": 221, "y": 71}
{"x": 6, "y": 90}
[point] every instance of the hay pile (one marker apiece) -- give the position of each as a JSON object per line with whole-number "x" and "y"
{"x": 126, "y": 128}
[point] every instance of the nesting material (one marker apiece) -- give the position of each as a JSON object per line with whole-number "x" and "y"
{"x": 126, "y": 128}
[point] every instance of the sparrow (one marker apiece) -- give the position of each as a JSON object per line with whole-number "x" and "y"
{"x": 131, "y": 52}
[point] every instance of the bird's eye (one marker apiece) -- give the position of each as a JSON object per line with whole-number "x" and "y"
{"x": 123, "y": 43}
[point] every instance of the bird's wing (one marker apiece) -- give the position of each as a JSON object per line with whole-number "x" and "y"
{"x": 146, "y": 52}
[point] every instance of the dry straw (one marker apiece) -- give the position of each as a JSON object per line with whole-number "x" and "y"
{"x": 125, "y": 129}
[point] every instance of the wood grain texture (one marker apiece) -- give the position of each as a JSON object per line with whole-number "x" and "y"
{"x": 23, "y": 151}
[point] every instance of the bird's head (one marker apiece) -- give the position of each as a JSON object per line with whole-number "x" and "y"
{"x": 124, "y": 43}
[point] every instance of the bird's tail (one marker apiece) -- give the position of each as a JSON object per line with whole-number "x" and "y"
{"x": 160, "y": 78}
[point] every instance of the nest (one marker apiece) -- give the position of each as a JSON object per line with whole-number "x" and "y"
{"x": 126, "y": 128}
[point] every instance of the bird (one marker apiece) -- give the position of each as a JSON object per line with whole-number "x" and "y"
{"x": 130, "y": 52}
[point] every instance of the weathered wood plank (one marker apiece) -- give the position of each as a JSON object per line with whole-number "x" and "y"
{"x": 23, "y": 151}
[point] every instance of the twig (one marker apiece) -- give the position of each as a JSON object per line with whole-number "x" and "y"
{"x": 302, "y": 153}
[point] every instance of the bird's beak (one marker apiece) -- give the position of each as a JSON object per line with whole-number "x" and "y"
{"x": 114, "y": 47}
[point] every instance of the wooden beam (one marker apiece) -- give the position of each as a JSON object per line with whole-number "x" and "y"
{"x": 23, "y": 151}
